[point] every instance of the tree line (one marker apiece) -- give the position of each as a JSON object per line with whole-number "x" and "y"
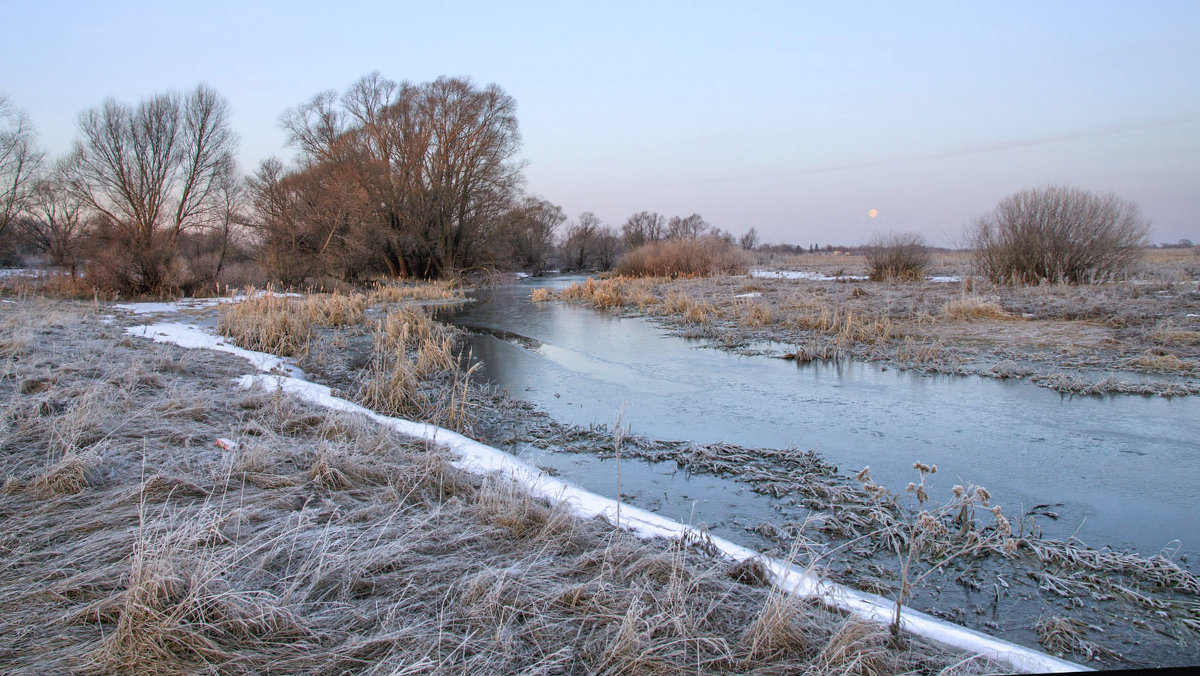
{"x": 389, "y": 178}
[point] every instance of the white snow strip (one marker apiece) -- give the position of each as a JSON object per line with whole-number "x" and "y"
{"x": 801, "y": 274}
{"x": 820, "y": 277}
{"x": 191, "y": 336}
{"x": 522, "y": 275}
{"x": 192, "y": 303}
{"x": 753, "y": 294}
{"x": 478, "y": 457}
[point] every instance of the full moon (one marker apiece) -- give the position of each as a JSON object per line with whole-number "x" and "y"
{"x": 872, "y": 213}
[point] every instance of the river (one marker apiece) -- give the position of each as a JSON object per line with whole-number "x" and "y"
{"x": 1124, "y": 468}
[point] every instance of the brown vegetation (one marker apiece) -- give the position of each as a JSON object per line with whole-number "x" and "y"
{"x": 1059, "y": 234}
{"x": 902, "y": 257}
{"x": 684, "y": 258}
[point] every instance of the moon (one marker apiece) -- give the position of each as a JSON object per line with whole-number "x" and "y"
{"x": 872, "y": 213}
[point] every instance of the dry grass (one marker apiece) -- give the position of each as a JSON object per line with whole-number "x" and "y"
{"x": 699, "y": 257}
{"x": 369, "y": 554}
{"x": 266, "y": 322}
{"x": 1153, "y": 361}
{"x": 973, "y": 307}
{"x": 396, "y": 292}
{"x": 1167, "y": 333}
{"x": 415, "y": 373}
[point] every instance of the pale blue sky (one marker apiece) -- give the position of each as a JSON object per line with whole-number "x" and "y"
{"x": 795, "y": 118}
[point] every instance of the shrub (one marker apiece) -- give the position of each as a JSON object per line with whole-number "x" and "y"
{"x": 901, "y": 256}
{"x": 1058, "y": 233}
{"x": 698, "y": 257}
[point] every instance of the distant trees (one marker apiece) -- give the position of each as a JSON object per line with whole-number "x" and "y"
{"x": 1058, "y": 233}
{"x": 643, "y": 227}
{"x": 430, "y": 168}
{"x": 56, "y": 220}
{"x": 749, "y": 240}
{"x": 589, "y": 244}
{"x": 149, "y": 174}
{"x": 19, "y": 162}
{"x": 689, "y": 227}
{"x": 527, "y": 232}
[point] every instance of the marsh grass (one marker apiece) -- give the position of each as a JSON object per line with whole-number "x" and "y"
{"x": 397, "y": 292}
{"x": 702, "y": 256}
{"x": 973, "y": 307}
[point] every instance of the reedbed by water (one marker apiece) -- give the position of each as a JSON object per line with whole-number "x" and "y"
{"x": 159, "y": 520}
{"x": 1130, "y": 336}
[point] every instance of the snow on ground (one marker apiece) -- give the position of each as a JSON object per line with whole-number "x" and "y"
{"x": 191, "y": 336}
{"x": 481, "y": 458}
{"x": 801, "y": 274}
{"x": 820, "y": 277}
{"x": 17, "y": 272}
{"x": 191, "y": 303}
{"x": 753, "y": 294}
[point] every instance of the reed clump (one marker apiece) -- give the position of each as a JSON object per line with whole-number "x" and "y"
{"x": 415, "y": 373}
{"x": 399, "y": 292}
{"x": 973, "y": 307}
{"x": 267, "y": 322}
{"x": 699, "y": 257}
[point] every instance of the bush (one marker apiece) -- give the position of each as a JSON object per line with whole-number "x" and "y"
{"x": 1060, "y": 234}
{"x": 902, "y": 256}
{"x": 698, "y": 257}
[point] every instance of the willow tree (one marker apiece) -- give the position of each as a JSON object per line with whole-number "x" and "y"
{"x": 435, "y": 162}
{"x": 149, "y": 174}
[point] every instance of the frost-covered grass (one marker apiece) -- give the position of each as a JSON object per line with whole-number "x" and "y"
{"x": 323, "y": 541}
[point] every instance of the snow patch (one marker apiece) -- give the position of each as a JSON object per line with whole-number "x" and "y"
{"x": 821, "y": 277}
{"x": 754, "y": 294}
{"x": 192, "y": 303}
{"x": 192, "y": 336}
{"x": 801, "y": 274}
{"x": 478, "y": 457}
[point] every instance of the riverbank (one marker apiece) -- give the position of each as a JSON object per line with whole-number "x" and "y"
{"x": 1138, "y": 336}
{"x": 157, "y": 518}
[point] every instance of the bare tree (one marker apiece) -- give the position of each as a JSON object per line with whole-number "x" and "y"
{"x": 312, "y": 222}
{"x": 527, "y": 233}
{"x": 19, "y": 162}
{"x": 56, "y": 220}
{"x": 690, "y": 227}
{"x": 583, "y": 236}
{"x": 1058, "y": 233}
{"x": 643, "y": 227}
{"x": 152, "y": 173}
{"x": 749, "y": 240}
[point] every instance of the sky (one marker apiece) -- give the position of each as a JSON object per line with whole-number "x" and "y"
{"x": 794, "y": 118}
